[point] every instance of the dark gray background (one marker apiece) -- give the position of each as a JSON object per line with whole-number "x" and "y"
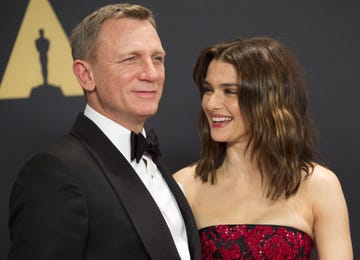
{"x": 323, "y": 34}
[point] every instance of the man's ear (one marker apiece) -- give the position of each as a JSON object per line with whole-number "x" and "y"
{"x": 84, "y": 75}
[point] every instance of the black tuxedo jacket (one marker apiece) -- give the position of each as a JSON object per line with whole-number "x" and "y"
{"x": 83, "y": 200}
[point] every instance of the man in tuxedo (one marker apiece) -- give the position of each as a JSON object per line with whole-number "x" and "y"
{"x": 92, "y": 196}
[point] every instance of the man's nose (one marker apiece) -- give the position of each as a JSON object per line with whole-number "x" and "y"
{"x": 150, "y": 71}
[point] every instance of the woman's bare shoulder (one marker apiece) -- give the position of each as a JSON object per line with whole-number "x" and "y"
{"x": 186, "y": 174}
{"x": 330, "y": 214}
{"x": 324, "y": 186}
{"x": 323, "y": 178}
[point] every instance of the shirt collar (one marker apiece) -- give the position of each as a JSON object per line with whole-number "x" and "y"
{"x": 117, "y": 134}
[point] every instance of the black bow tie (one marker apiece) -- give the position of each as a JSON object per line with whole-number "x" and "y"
{"x": 140, "y": 144}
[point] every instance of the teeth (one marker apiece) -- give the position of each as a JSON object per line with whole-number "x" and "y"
{"x": 221, "y": 119}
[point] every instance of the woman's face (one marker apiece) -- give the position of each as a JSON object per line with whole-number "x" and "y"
{"x": 221, "y": 104}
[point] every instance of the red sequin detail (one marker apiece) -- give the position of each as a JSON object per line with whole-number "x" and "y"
{"x": 257, "y": 242}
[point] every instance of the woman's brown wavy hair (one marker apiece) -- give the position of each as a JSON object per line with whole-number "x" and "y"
{"x": 273, "y": 99}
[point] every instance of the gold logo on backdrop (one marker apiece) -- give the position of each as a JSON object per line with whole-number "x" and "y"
{"x": 41, "y": 56}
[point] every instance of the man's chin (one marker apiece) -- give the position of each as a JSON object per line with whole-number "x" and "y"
{"x": 148, "y": 110}
{"x": 145, "y": 114}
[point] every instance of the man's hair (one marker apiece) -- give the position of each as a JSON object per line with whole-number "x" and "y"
{"x": 273, "y": 100}
{"x": 84, "y": 37}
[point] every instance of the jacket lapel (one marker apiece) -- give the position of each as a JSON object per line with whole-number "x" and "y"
{"x": 133, "y": 195}
{"x": 191, "y": 228}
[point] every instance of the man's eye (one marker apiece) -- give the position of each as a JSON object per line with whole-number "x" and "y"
{"x": 129, "y": 59}
{"x": 159, "y": 59}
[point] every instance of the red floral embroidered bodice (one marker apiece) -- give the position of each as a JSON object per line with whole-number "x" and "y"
{"x": 258, "y": 242}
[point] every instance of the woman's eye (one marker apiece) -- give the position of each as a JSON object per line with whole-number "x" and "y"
{"x": 231, "y": 91}
{"x": 206, "y": 89}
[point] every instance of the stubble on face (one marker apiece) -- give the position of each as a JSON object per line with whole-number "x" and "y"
{"x": 129, "y": 72}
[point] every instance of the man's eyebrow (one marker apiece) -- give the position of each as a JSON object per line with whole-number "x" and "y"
{"x": 159, "y": 51}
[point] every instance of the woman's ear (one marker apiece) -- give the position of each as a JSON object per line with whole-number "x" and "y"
{"x": 83, "y": 73}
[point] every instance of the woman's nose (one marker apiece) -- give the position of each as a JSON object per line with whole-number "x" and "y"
{"x": 213, "y": 100}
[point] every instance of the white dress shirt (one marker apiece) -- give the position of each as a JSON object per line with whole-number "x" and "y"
{"x": 149, "y": 174}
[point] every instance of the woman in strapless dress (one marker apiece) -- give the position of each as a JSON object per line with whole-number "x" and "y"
{"x": 256, "y": 191}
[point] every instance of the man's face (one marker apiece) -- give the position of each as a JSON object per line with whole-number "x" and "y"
{"x": 128, "y": 72}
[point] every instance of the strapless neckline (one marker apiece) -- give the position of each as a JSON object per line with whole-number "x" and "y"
{"x": 249, "y": 225}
